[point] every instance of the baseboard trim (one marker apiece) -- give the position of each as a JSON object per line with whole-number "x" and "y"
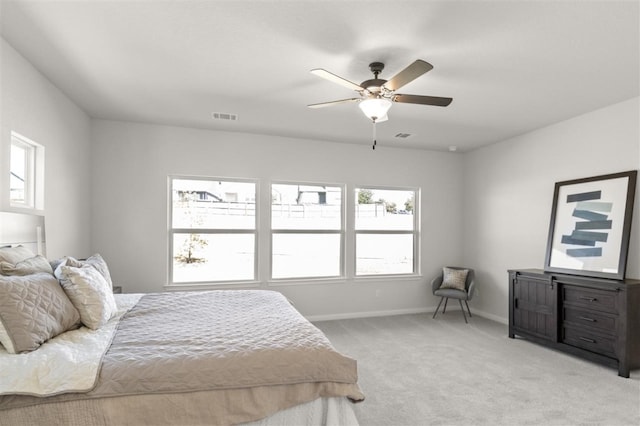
{"x": 388, "y": 313}
{"x": 491, "y": 317}
{"x": 369, "y": 314}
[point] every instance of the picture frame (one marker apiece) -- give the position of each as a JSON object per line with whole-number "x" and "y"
{"x": 590, "y": 225}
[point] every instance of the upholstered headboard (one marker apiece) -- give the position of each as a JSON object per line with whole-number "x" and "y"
{"x": 23, "y": 229}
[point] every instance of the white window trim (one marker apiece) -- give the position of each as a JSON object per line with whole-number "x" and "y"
{"x": 341, "y": 232}
{"x": 172, "y": 231}
{"x": 264, "y": 240}
{"x": 415, "y": 232}
{"x": 34, "y": 173}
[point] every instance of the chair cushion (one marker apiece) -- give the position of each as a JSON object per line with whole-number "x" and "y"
{"x": 452, "y": 293}
{"x": 454, "y": 278}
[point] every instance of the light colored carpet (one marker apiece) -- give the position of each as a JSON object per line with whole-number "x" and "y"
{"x": 415, "y": 370}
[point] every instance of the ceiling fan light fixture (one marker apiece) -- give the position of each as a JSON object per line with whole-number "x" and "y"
{"x": 375, "y": 108}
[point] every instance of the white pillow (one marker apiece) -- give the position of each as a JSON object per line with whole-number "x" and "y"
{"x": 96, "y": 261}
{"x": 90, "y": 294}
{"x": 32, "y": 265}
{"x": 5, "y": 340}
{"x": 14, "y": 255}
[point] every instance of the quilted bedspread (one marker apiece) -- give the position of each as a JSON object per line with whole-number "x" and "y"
{"x": 223, "y": 339}
{"x": 229, "y": 341}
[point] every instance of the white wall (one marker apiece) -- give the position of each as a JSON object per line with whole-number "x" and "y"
{"x": 131, "y": 163}
{"x": 509, "y": 187}
{"x": 500, "y": 196}
{"x": 34, "y": 108}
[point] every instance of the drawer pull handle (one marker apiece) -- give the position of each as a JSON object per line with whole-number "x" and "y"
{"x": 590, "y": 299}
{"x": 587, "y": 340}
{"x": 587, "y": 319}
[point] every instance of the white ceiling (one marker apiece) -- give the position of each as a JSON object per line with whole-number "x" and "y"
{"x": 510, "y": 66}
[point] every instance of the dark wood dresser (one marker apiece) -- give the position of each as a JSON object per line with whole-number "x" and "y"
{"x": 594, "y": 318}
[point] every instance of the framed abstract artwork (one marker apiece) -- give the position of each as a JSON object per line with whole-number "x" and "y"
{"x": 590, "y": 225}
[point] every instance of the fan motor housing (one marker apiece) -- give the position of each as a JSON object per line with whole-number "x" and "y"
{"x": 374, "y": 85}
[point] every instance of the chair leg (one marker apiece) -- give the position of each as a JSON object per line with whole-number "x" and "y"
{"x": 465, "y": 302}
{"x": 440, "y": 303}
{"x": 445, "y": 305}
{"x": 463, "y": 314}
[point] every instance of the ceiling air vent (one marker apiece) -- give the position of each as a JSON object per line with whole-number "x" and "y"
{"x": 224, "y": 116}
{"x": 403, "y": 135}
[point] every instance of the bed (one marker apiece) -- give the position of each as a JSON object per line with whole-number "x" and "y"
{"x": 211, "y": 357}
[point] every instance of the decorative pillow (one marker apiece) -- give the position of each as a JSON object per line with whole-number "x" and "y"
{"x": 454, "y": 278}
{"x": 15, "y": 254}
{"x": 33, "y": 309}
{"x": 56, "y": 262}
{"x": 90, "y": 294}
{"x": 96, "y": 261}
{"x": 33, "y": 265}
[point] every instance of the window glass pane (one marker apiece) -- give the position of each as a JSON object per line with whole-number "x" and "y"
{"x": 213, "y": 204}
{"x": 378, "y": 209}
{"x": 213, "y": 257}
{"x": 305, "y": 255}
{"x": 18, "y": 176}
{"x": 306, "y": 207}
{"x": 384, "y": 254}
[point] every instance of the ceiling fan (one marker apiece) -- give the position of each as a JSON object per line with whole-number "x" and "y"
{"x": 377, "y": 95}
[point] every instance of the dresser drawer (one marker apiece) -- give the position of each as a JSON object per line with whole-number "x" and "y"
{"x": 581, "y": 318}
{"x": 601, "y": 300}
{"x": 585, "y": 339}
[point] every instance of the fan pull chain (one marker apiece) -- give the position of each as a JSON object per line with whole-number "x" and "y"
{"x": 374, "y": 135}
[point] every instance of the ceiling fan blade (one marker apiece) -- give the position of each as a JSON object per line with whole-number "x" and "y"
{"x": 422, "y": 100}
{"x": 336, "y": 79}
{"x": 408, "y": 74}
{"x": 326, "y": 104}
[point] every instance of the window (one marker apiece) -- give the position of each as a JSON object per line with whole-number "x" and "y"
{"x": 26, "y": 177}
{"x": 386, "y": 231}
{"x": 307, "y": 231}
{"x": 213, "y": 233}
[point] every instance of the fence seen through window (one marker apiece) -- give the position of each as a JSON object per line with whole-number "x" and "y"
{"x": 213, "y": 227}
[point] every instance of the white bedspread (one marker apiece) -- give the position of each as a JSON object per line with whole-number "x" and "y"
{"x": 69, "y": 362}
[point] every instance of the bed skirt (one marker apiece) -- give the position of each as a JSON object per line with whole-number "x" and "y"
{"x": 193, "y": 408}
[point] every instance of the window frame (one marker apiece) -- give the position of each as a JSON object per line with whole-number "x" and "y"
{"x": 415, "y": 232}
{"x": 341, "y": 232}
{"x": 212, "y": 231}
{"x": 33, "y": 173}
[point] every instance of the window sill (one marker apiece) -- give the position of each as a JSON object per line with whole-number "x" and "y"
{"x": 211, "y": 285}
{"x": 342, "y": 280}
{"x": 305, "y": 281}
{"x": 24, "y": 208}
{"x": 400, "y": 277}
{"x": 290, "y": 282}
